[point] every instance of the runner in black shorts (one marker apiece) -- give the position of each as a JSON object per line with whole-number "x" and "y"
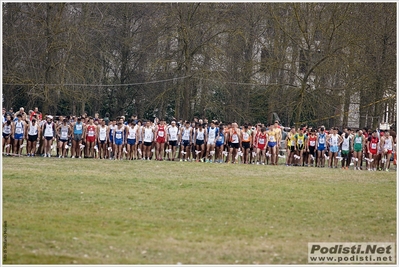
{"x": 227, "y": 142}
{"x": 33, "y": 133}
{"x": 7, "y": 134}
{"x": 235, "y": 138}
{"x": 148, "y": 138}
{"x": 200, "y": 139}
{"x": 186, "y": 140}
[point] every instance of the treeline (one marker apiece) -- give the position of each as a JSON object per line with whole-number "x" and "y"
{"x": 320, "y": 63}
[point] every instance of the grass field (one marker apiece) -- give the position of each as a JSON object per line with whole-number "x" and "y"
{"x": 64, "y": 211}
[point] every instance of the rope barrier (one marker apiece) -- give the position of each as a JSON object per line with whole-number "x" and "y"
{"x": 97, "y": 85}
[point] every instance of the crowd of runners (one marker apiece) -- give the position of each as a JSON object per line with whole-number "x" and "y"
{"x": 197, "y": 140}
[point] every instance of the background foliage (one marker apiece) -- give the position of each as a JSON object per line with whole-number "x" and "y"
{"x": 306, "y": 62}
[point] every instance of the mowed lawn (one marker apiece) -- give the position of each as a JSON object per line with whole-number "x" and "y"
{"x": 64, "y": 211}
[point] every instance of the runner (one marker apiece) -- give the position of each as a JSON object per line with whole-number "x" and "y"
{"x": 111, "y": 143}
{"x": 33, "y": 132}
{"x": 306, "y": 132}
{"x": 252, "y": 152}
{"x": 57, "y": 122}
{"x": 186, "y": 140}
{"x": 312, "y": 138}
{"x": 261, "y": 142}
{"x": 227, "y": 145}
{"x": 173, "y": 138}
{"x": 77, "y": 135}
{"x": 246, "y": 143}
{"x": 70, "y": 123}
{"x": 200, "y": 139}
{"x": 119, "y": 140}
{"x": 153, "y": 126}
{"x": 365, "y": 137}
{"x": 160, "y": 139}
{"x": 235, "y": 140}
{"x": 102, "y": 140}
{"x": 321, "y": 147}
{"x": 40, "y": 150}
{"x": 278, "y": 135}
{"x": 272, "y": 136}
{"x": 358, "y": 148}
{"x": 37, "y": 114}
{"x": 372, "y": 149}
{"x": 194, "y": 127}
{"x": 291, "y": 145}
{"x": 7, "y": 128}
{"x": 22, "y": 113}
{"x": 346, "y": 150}
{"x": 48, "y": 135}
{"x": 140, "y": 140}
{"x": 97, "y": 122}
{"x": 301, "y": 144}
{"x": 351, "y": 135}
{"x": 90, "y": 137}
{"x": 334, "y": 141}
{"x": 132, "y": 132}
{"x": 180, "y": 125}
{"x": 219, "y": 145}
{"x": 213, "y": 132}
{"x": 148, "y": 138}
{"x": 18, "y": 131}
{"x": 386, "y": 148}
{"x": 63, "y": 133}
{"x": 4, "y": 115}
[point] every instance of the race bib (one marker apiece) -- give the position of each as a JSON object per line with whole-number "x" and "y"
{"x": 64, "y": 135}
{"x": 358, "y": 140}
{"x": 345, "y": 145}
{"x": 234, "y": 138}
{"x": 161, "y": 133}
{"x": 321, "y": 140}
{"x": 200, "y": 136}
{"x": 173, "y": 136}
{"x": 18, "y": 130}
{"x": 186, "y": 135}
{"x": 271, "y": 138}
{"x": 102, "y": 135}
{"x": 78, "y": 127}
{"x": 246, "y": 136}
{"x": 312, "y": 143}
{"x": 148, "y": 137}
{"x": 373, "y": 145}
{"x": 292, "y": 142}
{"x": 91, "y": 133}
{"x": 118, "y": 135}
{"x": 334, "y": 142}
{"x": 262, "y": 141}
{"x": 300, "y": 142}
{"x": 7, "y": 129}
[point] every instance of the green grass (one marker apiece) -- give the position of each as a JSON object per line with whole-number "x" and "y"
{"x": 63, "y": 211}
